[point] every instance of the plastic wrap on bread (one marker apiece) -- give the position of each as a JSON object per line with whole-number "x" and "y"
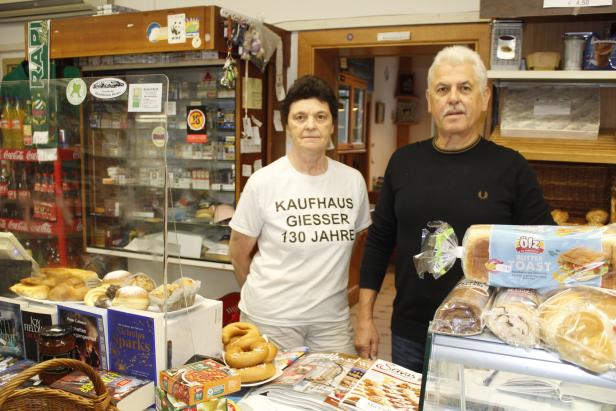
{"x": 579, "y": 323}
{"x": 461, "y": 312}
{"x": 439, "y": 249}
{"x": 513, "y": 316}
{"x": 537, "y": 257}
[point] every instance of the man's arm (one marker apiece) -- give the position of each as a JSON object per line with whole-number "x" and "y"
{"x": 366, "y": 334}
{"x": 240, "y": 251}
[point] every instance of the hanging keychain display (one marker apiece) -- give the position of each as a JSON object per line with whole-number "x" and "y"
{"x": 229, "y": 69}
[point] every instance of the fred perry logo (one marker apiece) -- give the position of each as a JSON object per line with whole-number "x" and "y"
{"x": 483, "y": 195}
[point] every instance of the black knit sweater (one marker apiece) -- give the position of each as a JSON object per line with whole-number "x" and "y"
{"x": 486, "y": 184}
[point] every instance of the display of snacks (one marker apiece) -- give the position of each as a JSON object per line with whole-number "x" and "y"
{"x": 200, "y": 381}
{"x": 57, "y": 284}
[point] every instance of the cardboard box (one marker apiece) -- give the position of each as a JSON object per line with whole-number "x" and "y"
{"x": 166, "y": 402}
{"x": 200, "y": 381}
{"x": 137, "y": 338}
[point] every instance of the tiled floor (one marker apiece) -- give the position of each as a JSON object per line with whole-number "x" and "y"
{"x": 382, "y": 315}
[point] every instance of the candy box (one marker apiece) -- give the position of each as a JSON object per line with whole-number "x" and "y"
{"x": 199, "y": 381}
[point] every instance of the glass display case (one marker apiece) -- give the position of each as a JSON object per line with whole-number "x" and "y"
{"x": 483, "y": 373}
{"x": 182, "y": 156}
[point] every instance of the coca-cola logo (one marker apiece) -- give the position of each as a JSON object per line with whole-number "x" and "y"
{"x": 31, "y": 155}
{"x": 14, "y": 155}
{"x": 44, "y": 228}
{"x": 107, "y": 88}
{"x": 17, "y": 225}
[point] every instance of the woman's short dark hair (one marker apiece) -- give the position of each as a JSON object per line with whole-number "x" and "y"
{"x": 310, "y": 87}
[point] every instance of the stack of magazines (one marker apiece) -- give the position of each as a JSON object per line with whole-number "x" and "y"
{"x": 331, "y": 381}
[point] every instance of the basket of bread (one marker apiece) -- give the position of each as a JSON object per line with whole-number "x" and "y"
{"x": 118, "y": 288}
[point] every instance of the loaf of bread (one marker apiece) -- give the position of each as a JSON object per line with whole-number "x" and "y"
{"x": 461, "y": 313}
{"x": 580, "y": 324}
{"x": 574, "y": 262}
{"x": 513, "y": 318}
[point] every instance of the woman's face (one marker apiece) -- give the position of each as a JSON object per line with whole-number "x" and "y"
{"x": 310, "y": 125}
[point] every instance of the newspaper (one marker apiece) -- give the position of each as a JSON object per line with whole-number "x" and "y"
{"x": 316, "y": 381}
{"x": 384, "y": 387}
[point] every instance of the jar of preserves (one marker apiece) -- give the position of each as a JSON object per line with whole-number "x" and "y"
{"x": 55, "y": 341}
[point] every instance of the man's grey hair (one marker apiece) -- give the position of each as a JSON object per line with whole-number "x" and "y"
{"x": 460, "y": 55}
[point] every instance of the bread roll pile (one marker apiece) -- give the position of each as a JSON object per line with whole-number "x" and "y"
{"x": 248, "y": 352}
{"x": 57, "y": 284}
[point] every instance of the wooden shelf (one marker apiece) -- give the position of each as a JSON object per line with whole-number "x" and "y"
{"x": 602, "y": 150}
{"x": 555, "y": 75}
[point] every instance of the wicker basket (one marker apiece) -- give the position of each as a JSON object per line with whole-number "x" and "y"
{"x": 576, "y": 188}
{"x": 13, "y": 398}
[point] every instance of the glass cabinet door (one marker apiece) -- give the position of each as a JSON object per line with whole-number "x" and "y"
{"x": 351, "y": 113}
{"x": 359, "y": 97}
{"x": 344, "y": 113}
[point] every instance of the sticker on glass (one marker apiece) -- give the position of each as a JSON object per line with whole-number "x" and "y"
{"x": 176, "y": 28}
{"x": 155, "y": 32}
{"x": 108, "y": 88}
{"x": 192, "y": 27}
{"x": 159, "y": 136}
{"x": 76, "y": 91}
{"x": 145, "y": 97}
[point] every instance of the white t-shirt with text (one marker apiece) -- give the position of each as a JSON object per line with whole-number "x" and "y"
{"x": 305, "y": 228}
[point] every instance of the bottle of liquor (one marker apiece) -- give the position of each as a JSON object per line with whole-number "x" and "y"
{"x": 24, "y": 196}
{"x": 17, "y": 124}
{"x": 27, "y": 126}
{"x": 4, "y": 188}
{"x": 12, "y": 195}
{"x": 5, "y": 124}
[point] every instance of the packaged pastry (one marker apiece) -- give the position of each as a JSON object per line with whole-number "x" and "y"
{"x": 141, "y": 280}
{"x": 131, "y": 296}
{"x": 580, "y": 324}
{"x": 461, "y": 312}
{"x": 189, "y": 289}
{"x": 173, "y": 294}
{"x": 537, "y": 257}
{"x": 513, "y": 316}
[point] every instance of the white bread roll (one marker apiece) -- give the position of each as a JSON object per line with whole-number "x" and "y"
{"x": 580, "y": 324}
{"x": 117, "y": 277}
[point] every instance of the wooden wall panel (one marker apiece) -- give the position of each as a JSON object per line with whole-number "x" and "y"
{"x": 126, "y": 33}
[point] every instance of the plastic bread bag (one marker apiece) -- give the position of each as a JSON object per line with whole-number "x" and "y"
{"x": 439, "y": 250}
{"x": 189, "y": 289}
{"x": 513, "y": 316}
{"x": 172, "y": 293}
{"x": 537, "y": 257}
{"x": 461, "y": 312}
{"x": 579, "y": 323}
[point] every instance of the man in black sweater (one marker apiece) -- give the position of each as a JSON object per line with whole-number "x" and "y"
{"x": 457, "y": 177}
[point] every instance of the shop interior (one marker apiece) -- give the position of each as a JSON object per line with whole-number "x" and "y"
{"x": 127, "y": 158}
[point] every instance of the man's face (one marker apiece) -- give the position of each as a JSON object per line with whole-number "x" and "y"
{"x": 310, "y": 125}
{"x": 456, "y": 100}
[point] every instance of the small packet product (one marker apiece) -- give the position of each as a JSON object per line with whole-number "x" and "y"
{"x": 579, "y": 323}
{"x": 461, "y": 312}
{"x": 439, "y": 249}
{"x": 513, "y": 316}
{"x": 537, "y": 257}
{"x": 172, "y": 293}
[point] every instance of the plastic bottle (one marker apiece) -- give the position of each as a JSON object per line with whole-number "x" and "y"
{"x": 27, "y": 126}
{"x": 5, "y": 124}
{"x": 17, "y": 124}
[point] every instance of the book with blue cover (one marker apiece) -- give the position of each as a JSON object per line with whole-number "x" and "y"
{"x": 137, "y": 344}
{"x": 90, "y": 328}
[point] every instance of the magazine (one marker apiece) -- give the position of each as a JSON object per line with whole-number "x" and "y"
{"x": 126, "y": 392}
{"x": 385, "y": 387}
{"x": 316, "y": 381}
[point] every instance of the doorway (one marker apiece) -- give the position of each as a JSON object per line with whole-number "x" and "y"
{"x": 319, "y": 53}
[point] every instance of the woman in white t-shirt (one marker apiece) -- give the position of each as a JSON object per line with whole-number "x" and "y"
{"x": 303, "y": 212}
